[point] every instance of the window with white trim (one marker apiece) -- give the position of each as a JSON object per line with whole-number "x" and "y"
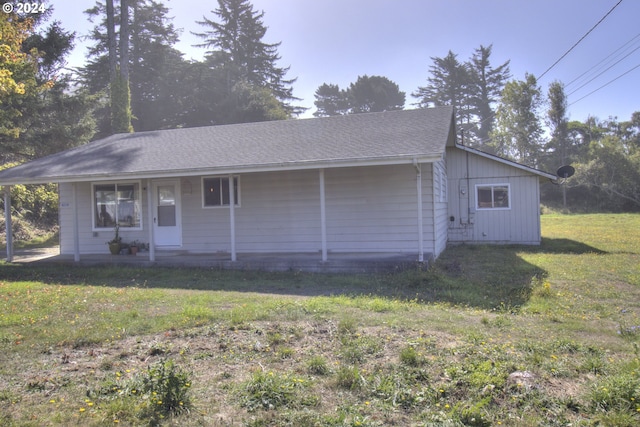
{"x": 493, "y": 196}
{"x": 215, "y": 191}
{"x": 117, "y": 204}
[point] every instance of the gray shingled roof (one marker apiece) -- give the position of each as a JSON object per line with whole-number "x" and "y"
{"x": 394, "y": 136}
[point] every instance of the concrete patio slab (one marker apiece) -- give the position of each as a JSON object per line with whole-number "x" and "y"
{"x": 311, "y": 262}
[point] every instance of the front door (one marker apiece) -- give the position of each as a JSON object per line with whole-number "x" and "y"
{"x": 167, "y": 218}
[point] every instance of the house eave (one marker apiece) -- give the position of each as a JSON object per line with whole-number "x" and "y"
{"x": 231, "y": 169}
{"x": 511, "y": 163}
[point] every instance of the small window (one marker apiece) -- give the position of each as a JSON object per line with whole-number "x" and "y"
{"x": 117, "y": 204}
{"x": 216, "y": 192}
{"x": 493, "y": 196}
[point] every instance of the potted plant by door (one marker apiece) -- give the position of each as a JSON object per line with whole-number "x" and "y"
{"x": 134, "y": 247}
{"x": 114, "y": 244}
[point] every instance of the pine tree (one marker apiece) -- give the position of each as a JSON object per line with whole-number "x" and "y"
{"x": 485, "y": 89}
{"x": 238, "y": 52}
{"x": 330, "y": 101}
{"x": 154, "y": 67}
{"x": 448, "y": 85}
{"x": 374, "y": 94}
{"x": 368, "y": 94}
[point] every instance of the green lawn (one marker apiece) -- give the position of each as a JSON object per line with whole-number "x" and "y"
{"x": 106, "y": 346}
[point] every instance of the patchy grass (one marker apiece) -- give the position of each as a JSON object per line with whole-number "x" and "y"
{"x": 487, "y": 336}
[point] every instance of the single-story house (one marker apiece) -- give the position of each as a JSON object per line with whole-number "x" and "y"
{"x": 395, "y": 182}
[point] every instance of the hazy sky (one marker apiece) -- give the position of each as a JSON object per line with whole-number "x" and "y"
{"x": 335, "y": 41}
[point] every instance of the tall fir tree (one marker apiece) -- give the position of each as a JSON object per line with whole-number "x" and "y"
{"x": 485, "y": 88}
{"x": 155, "y": 68}
{"x": 239, "y": 55}
{"x": 330, "y": 100}
{"x": 448, "y": 84}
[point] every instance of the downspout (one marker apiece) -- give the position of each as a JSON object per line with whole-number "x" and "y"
{"x": 7, "y": 222}
{"x": 418, "y": 168}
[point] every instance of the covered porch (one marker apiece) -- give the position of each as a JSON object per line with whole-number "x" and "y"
{"x": 308, "y": 262}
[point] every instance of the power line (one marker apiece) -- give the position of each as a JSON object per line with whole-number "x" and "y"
{"x": 606, "y": 84}
{"x": 578, "y": 42}
{"x": 603, "y": 71}
{"x": 596, "y": 66}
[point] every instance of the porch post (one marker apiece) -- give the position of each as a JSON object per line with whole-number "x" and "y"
{"x": 7, "y": 222}
{"x": 150, "y": 209}
{"x": 232, "y": 217}
{"x": 420, "y": 222}
{"x": 323, "y": 217}
{"x": 76, "y": 226}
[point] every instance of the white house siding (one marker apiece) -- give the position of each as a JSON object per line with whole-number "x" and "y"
{"x": 519, "y": 224}
{"x": 440, "y": 212}
{"x": 91, "y": 242}
{"x": 368, "y": 209}
{"x": 375, "y": 209}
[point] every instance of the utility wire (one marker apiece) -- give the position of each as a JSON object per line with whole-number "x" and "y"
{"x": 606, "y": 84}
{"x": 578, "y": 42}
{"x": 602, "y": 72}
{"x": 602, "y": 61}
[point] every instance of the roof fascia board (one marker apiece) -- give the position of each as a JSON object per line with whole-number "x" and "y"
{"x": 506, "y": 162}
{"x": 407, "y": 159}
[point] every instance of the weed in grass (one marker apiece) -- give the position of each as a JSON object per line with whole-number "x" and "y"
{"x": 593, "y": 364}
{"x": 347, "y": 325}
{"x": 358, "y": 348}
{"x": 629, "y": 332}
{"x": 271, "y": 390}
{"x": 317, "y": 365}
{"x": 474, "y": 415}
{"x": 619, "y": 392}
{"x": 167, "y": 387}
{"x": 392, "y": 389}
{"x": 275, "y": 338}
{"x": 349, "y": 377}
{"x": 162, "y": 390}
{"x": 541, "y": 288}
{"x": 409, "y": 356}
{"x": 286, "y": 352}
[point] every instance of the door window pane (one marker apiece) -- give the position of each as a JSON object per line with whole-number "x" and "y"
{"x": 166, "y": 206}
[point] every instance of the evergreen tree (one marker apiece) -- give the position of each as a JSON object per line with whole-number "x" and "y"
{"x": 485, "y": 89}
{"x": 448, "y": 84}
{"x": 155, "y": 68}
{"x": 518, "y": 130}
{"x": 239, "y": 55}
{"x": 365, "y": 95}
{"x": 374, "y": 94}
{"x": 330, "y": 101}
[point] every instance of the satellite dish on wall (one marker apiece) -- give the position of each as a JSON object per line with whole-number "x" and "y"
{"x": 565, "y": 171}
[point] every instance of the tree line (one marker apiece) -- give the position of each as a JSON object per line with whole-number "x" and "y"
{"x": 134, "y": 79}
